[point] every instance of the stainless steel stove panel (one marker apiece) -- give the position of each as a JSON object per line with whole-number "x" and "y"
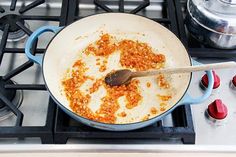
{"x": 208, "y": 132}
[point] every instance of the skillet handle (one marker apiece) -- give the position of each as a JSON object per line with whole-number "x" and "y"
{"x": 33, "y": 37}
{"x": 187, "y": 99}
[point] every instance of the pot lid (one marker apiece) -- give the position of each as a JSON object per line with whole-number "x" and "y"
{"x": 215, "y": 15}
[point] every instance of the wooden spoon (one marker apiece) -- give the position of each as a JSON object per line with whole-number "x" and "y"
{"x": 124, "y": 76}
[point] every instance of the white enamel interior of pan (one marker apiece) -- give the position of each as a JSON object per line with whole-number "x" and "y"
{"x": 66, "y": 48}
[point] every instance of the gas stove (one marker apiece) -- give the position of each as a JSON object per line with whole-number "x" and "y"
{"x": 28, "y": 114}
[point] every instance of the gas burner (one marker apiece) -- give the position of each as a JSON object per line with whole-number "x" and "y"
{"x": 18, "y": 35}
{"x": 16, "y": 97}
{"x": 10, "y": 19}
{"x": 15, "y": 33}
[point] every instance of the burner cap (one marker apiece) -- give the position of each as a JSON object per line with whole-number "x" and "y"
{"x": 10, "y": 19}
{"x": 8, "y": 93}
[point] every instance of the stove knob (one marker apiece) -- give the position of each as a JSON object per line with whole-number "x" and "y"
{"x": 216, "y": 80}
{"x": 233, "y": 82}
{"x": 217, "y": 110}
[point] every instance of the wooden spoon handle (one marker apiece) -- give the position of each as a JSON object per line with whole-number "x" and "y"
{"x": 186, "y": 69}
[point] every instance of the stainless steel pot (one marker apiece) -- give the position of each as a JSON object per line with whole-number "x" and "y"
{"x": 213, "y": 22}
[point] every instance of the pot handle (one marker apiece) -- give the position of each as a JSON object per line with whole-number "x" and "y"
{"x": 187, "y": 99}
{"x": 33, "y": 37}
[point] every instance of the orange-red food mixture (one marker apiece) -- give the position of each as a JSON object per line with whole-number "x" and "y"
{"x": 162, "y": 82}
{"x": 122, "y": 114}
{"x": 106, "y": 113}
{"x": 139, "y": 56}
{"x": 148, "y": 84}
{"x": 153, "y": 110}
{"x": 134, "y": 55}
{"x": 102, "y": 47}
{"x": 103, "y": 67}
{"x": 164, "y": 97}
{"x": 163, "y": 106}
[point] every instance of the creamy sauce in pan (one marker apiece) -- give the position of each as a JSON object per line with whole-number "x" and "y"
{"x": 90, "y": 97}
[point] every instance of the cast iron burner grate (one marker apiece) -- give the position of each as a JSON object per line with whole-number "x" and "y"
{"x": 14, "y": 22}
{"x": 182, "y": 128}
{"x": 9, "y": 94}
{"x": 121, "y": 6}
{"x": 14, "y": 96}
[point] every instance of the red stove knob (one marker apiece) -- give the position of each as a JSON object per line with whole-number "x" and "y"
{"x": 216, "y": 80}
{"x": 234, "y": 80}
{"x": 217, "y": 110}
